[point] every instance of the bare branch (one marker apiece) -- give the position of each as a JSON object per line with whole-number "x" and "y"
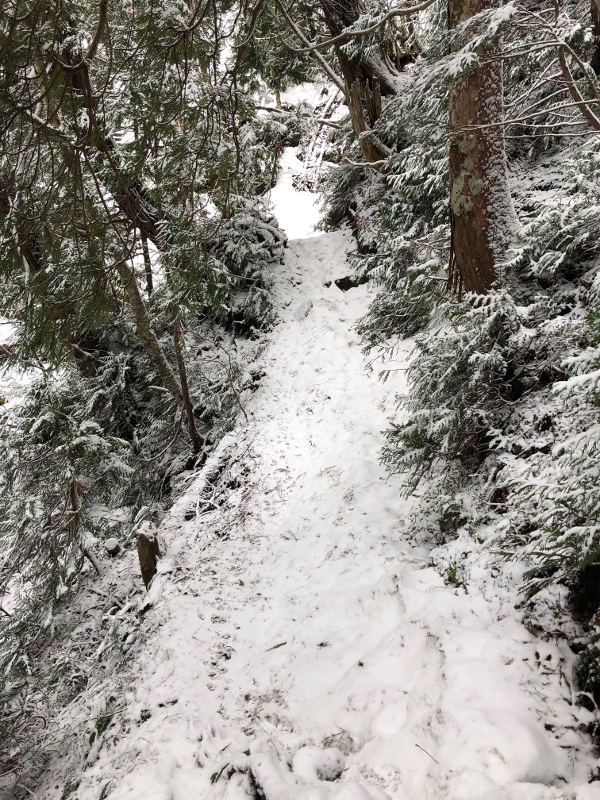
{"x": 376, "y": 165}
{"x": 99, "y": 31}
{"x": 316, "y": 55}
{"x": 346, "y": 35}
{"x": 575, "y": 94}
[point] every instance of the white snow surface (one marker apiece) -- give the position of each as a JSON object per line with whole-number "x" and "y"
{"x": 296, "y": 211}
{"x": 12, "y": 381}
{"x": 306, "y": 649}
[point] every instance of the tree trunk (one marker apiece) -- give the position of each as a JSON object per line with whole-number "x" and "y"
{"x": 148, "y": 552}
{"x": 370, "y": 145}
{"x": 197, "y": 440}
{"x": 481, "y": 210}
{"x": 74, "y": 522}
{"x": 366, "y": 79}
{"x": 595, "y": 16}
{"x": 147, "y": 265}
{"x": 146, "y": 333}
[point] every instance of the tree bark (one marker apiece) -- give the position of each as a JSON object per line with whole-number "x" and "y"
{"x": 146, "y": 333}
{"x": 366, "y": 79}
{"x": 481, "y": 210}
{"x": 197, "y": 440}
{"x": 74, "y": 522}
{"x": 595, "y": 18}
{"x": 148, "y": 553}
{"x": 372, "y": 149}
{"x": 147, "y": 265}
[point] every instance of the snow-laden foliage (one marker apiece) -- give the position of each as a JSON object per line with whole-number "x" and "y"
{"x": 56, "y": 447}
{"x": 502, "y": 388}
{"x": 549, "y": 449}
{"x": 136, "y": 245}
{"x": 411, "y": 245}
{"x": 553, "y": 523}
{"x": 82, "y": 455}
{"x": 558, "y": 236}
{"x": 59, "y": 454}
{"x": 461, "y": 384}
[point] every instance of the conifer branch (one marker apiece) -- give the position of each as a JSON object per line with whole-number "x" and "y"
{"x": 349, "y": 34}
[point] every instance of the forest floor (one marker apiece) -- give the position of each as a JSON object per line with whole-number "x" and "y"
{"x": 304, "y": 648}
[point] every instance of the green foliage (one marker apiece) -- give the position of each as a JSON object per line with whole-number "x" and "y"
{"x": 459, "y": 385}
{"x": 558, "y": 493}
{"x": 488, "y": 375}
{"x": 103, "y": 719}
{"x": 338, "y": 192}
{"x": 172, "y": 152}
{"x": 412, "y": 242}
{"x": 56, "y": 449}
{"x": 439, "y": 514}
{"x": 266, "y": 59}
{"x": 552, "y": 522}
{"x": 145, "y": 150}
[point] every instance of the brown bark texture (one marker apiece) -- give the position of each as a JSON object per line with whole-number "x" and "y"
{"x": 366, "y": 79}
{"x": 197, "y": 440}
{"x": 481, "y": 210}
{"x": 148, "y": 554}
{"x": 595, "y": 20}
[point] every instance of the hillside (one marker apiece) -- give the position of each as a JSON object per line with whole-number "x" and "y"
{"x": 302, "y": 647}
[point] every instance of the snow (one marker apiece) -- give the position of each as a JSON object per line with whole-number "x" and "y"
{"x": 112, "y": 545}
{"x": 296, "y": 210}
{"x": 303, "y": 646}
{"x": 310, "y": 92}
{"x": 12, "y": 381}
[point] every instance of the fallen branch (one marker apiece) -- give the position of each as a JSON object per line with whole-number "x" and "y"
{"x": 372, "y": 164}
{"x": 426, "y": 753}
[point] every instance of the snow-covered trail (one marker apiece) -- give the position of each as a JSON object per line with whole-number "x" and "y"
{"x": 298, "y": 626}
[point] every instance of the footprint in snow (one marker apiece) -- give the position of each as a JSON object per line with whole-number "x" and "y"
{"x": 303, "y": 310}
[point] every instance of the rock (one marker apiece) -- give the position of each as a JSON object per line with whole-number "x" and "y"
{"x": 349, "y": 283}
{"x": 327, "y": 284}
{"x": 112, "y": 547}
{"x": 303, "y": 310}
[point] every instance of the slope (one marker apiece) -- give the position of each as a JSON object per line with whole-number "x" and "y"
{"x": 303, "y": 647}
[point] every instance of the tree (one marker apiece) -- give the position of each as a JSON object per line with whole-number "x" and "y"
{"x": 481, "y": 211}
{"x": 78, "y": 204}
{"x": 364, "y": 75}
{"x": 128, "y": 154}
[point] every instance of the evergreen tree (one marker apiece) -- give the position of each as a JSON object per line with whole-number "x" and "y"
{"x": 133, "y": 234}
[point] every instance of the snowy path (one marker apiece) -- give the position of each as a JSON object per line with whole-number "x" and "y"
{"x": 295, "y": 614}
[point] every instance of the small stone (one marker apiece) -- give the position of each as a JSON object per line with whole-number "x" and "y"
{"x": 347, "y": 283}
{"x": 112, "y": 547}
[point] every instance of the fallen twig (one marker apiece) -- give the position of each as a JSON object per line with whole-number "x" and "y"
{"x": 426, "y": 753}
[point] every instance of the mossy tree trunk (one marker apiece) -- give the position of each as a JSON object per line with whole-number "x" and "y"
{"x": 481, "y": 210}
